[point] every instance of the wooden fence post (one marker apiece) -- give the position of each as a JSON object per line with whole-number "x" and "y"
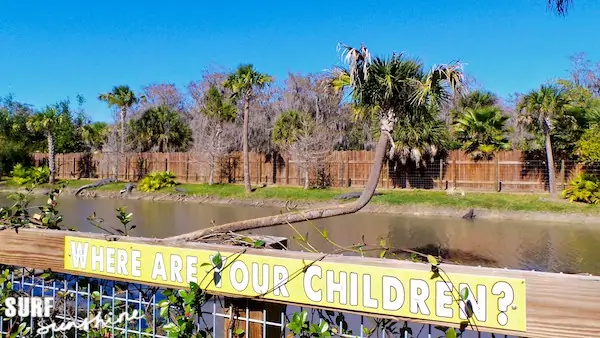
{"x": 258, "y": 312}
{"x": 562, "y": 174}
{"x": 441, "y": 173}
{"x": 187, "y": 168}
{"x": 166, "y": 164}
{"x": 455, "y": 175}
{"x": 259, "y": 168}
{"x": 497, "y": 165}
{"x": 287, "y": 171}
{"x": 347, "y": 178}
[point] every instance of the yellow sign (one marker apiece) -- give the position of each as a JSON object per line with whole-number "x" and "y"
{"x": 496, "y": 302}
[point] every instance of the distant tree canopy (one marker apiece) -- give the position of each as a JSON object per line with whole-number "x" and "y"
{"x": 424, "y": 111}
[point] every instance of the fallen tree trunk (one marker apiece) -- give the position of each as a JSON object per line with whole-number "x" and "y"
{"x": 95, "y": 185}
{"x": 301, "y": 216}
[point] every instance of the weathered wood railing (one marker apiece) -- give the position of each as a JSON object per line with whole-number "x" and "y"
{"x": 523, "y": 303}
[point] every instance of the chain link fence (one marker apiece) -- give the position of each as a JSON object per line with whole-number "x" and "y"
{"x": 77, "y": 298}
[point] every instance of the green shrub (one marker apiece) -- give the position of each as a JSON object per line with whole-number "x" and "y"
{"x": 12, "y": 153}
{"x": 23, "y": 175}
{"x": 584, "y": 188}
{"x": 156, "y": 181}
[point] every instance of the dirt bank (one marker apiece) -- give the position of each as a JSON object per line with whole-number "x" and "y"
{"x": 412, "y": 210}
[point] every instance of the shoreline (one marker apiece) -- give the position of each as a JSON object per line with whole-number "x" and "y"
{"x": 413, "y": 210}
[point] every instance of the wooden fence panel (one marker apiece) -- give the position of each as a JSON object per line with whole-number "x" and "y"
{"x": 508, "y": 171}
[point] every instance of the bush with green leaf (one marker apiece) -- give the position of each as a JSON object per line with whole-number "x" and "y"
{"x": 35, "y": 175}
{"x": 12, "y": 153}
{"x": 584, "y": 188}
{"x": 156, "y": 181}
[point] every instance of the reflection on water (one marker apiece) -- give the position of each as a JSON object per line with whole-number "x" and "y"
{"x": 527, "y": 245}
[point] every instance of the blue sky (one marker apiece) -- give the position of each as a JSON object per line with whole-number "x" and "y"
{"x": 50, "y": 50}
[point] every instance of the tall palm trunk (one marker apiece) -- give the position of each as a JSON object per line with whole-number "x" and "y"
{"x": 211, "y": 170}
{"x": 306, "y": 180}
{"x": 245, "y": 144}
{"x": 215, "y": 153}
{"x": 123, "y": 112}
{"x": 121, "y": 153}
{"x": 274, "y": 157}
{"x": 51, "y": 158}
{"x": 550, "y": 161}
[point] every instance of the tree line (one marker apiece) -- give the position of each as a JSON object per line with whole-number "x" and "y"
{"x": 422, "y": 112}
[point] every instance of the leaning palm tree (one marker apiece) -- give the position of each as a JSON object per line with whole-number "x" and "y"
{"x": 538, "y": 109}
{"x": 46, "y": 122}
{"x": 123, "y": 98}
{"x": 242, "y": 83}
{"x": 377, "y": 86}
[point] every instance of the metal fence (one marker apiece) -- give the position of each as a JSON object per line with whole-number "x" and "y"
{"x": 77, "y": 298}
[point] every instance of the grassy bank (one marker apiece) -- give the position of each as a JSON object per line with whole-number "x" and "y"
{"x": 430, "y": 198}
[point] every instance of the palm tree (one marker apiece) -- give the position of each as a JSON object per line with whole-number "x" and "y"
{"x": 396, "y": 89}
{"x": 538, "y": 110}
{"x": 291, "y": 127}
{"x": 46, "y": 122}
{"x": 475, "y": 99}
{"x": 242, "y": 84}
{"x": 160, "y": 127}
{"x": 377, "y": 87}
{"x": 220, "y": 110}
{"x": 419, "y": 136}
{"x": 94, "y": 135}
{"x": 482, "y": 131}
{"x": 123, "y": 98}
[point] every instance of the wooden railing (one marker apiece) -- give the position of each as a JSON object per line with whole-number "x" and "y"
{"x": 523, "y": 303}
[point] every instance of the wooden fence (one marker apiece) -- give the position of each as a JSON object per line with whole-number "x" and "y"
{"x": 509, "y": 171}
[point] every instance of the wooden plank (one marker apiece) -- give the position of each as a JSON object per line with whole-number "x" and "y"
{"x": 551, "y": 298}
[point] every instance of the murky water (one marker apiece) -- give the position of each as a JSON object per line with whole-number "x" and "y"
{"x": 555, "y": 247}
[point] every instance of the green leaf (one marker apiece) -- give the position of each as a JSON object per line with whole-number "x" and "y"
{"x": 432, "y": 260}
{"x": 182, "y": 293}
{"x": 169, "y": 326}
{"x": 324, "y": 327}
{"x": 163, "y": 311}
{"x": 464, "y": 293}
{"x": 303, "y": 317}
{"x": 451, "y": 333}
{"x": 21, "y": 327}
{"x": 217, "y": 260}
{"x": 238, "y": 332}
{"x": 259, "y": 243}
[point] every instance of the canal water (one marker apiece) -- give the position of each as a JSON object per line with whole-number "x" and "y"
{"x": 542, "y": 246}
